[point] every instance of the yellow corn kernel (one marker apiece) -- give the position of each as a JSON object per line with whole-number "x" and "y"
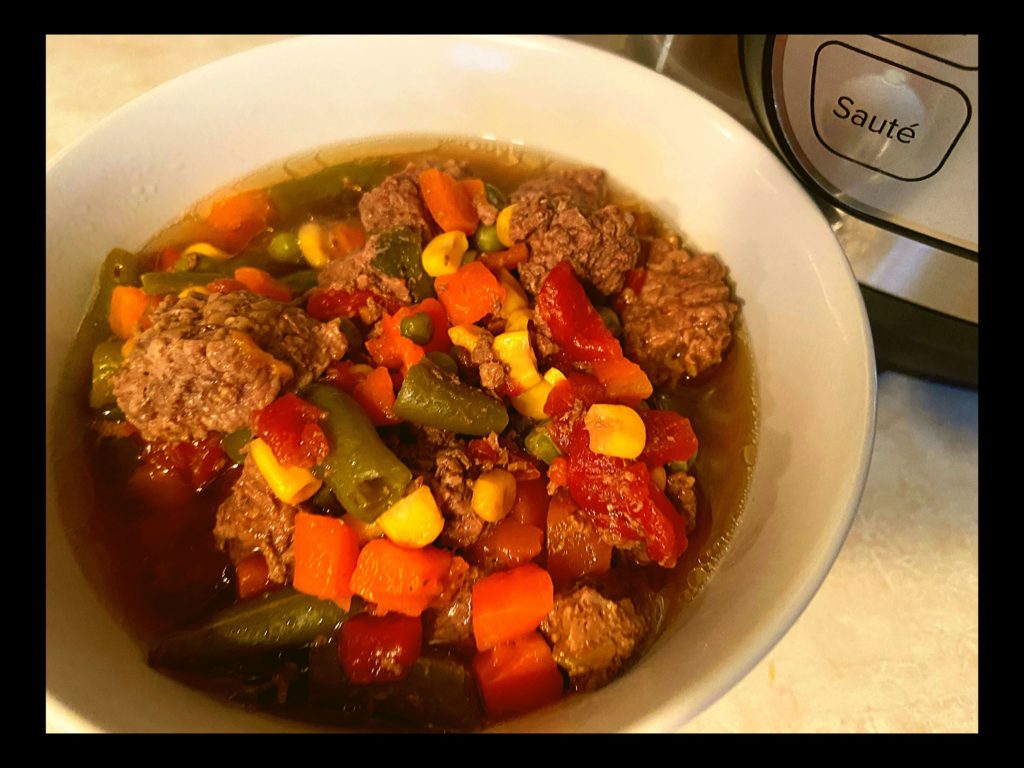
{"x": 206, "y": 249}
{"x": 443, "y": 255}
{"x": 515, "y": 296}
{"x": 660, "y": 477}
{"x": 465, "y": 336}
{"x": 552, "y": 376}
{"x": 531, "y": 402}
{"x": 615, "y": 430}
{"x": 414, "y": 521}
{"x": 194, "y": 289}
{"x": 519, "y": 320}
{"x": 514, "y": 350}
{"x": 254, "y": 351}
{"x": 502, "y": 225}
{"x": 290, "y": 484}
{"x": 494, "y": 495}
{"x": 311, "y": 243}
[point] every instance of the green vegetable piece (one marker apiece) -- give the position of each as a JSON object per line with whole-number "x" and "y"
{"x": 234, "y": 442}
{"x": 444, "y": 361}
{"x": 176, "y": 282}
{"x": 337, "y": 186}
{"x": 399, "y": 254}
{"x": 486, "y": 239}
{"x": 678, "y": 466}
{"x": 365, "y": 476}
{"x": 539, "y": 444}
{"x": 355, "y": 338}
{"x": 469, "y": 256}
{"x": 106, "y": 360}
{"x": 300, "y": 281}
{"x": 284, "y": 247}
{"x": 418, "y": 328}
{"x": 610, "y": 320}
{"x": 119, "y": 268}
{"x": 431, "y": 398}
{"x": 666, "y": 401}
{"x": 197, "y": 262}
{"x": 269, "y": 623}
{"x": 495, "y": 196}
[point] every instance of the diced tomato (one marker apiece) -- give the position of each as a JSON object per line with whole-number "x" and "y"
{"x": 167, "y": 259}
{"x": 379, "y": 649}
{"x": 575, "y": 325}
{"x": 669, "y": 438}
{"x": 196, "y": 462}
{"x": 531, "y": 507}
{"x": 291, "y": 427}
{"x": 341, "y": 375}
{"x": 328, "y": 303}
{"x": 252, "y": 576}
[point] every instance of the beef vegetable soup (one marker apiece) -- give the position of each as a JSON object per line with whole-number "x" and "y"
{"x": 426, "y": 438}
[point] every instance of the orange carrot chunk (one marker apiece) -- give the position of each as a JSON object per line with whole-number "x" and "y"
{"x": 511, "y": 603}
{"x": 448, "y": 202}
{"x": 399, "y": 579}
{"x": 240, "y": 218}
{"x": 470, "y": 293}
{"x": 326, "y": 552}
{"x": 517, "y": 677}
{"x": 127, "y": 307}
{"x": 376, "y": 395}
{"x": 261, "y": 282}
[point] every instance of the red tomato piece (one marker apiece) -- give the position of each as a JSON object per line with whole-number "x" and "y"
{"x": 290, "y": 426}
{"x": 669, "y": 438}
{"x": 379, "y": 649}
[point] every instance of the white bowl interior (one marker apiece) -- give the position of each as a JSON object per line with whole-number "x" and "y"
{"x": 149, "y": 162}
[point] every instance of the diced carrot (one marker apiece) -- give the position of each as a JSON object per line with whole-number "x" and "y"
{"x": 531, "y": 507}
{"x": 511, "y": 603}
{"x": 448, "y": 202}
{"x": 326, "y": 552}
{"x": 376, "y": 395}
{"x": 392, "y": 350}
{"x": 261, "y": 282}
{"x": 470, "y": 293}
{"x": 575, "y": 548}
{"x": 509, "y": 259}
{"x": 508, "y": 544}
{"x": 345, "y": 238}
{"x": 127, "y": 307}
{"x": 517, "y": 677}
{"x": 399, "y": 579}
{"x": 240, "y": 218}
{"x": 474, "y": 188}
{"x": 251, "y": 576}
{"x": 624, "y": 380}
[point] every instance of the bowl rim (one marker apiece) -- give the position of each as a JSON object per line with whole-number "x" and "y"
{"x": 664, "y": 716}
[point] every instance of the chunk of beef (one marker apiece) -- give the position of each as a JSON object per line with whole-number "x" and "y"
{"x": 253, "y": 518}
{"x": 560, "y": 218}
{"x": 450, "y": 621}
{"x": 355, "y": 272}
{"x": 491, "y": 370}
{"x": 592, "y": 637}
{"x": 207, "y": 362}
{"x": 680, "y": 491}
{"x": 680, "y": 323}
{"x": 395, "y": 202}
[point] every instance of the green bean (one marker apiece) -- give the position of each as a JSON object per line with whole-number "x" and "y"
{"x": 539, "y": 444}
{"x": 399, "y": 254}
{"x": 468, "y": 257}
{"x": 197, "y": 262}
{"x": 666, "y": 401}
{"x": 272, "y": 622}
{"x": 339, "y": 186}
{"x": 444, "y": 361}
{"x": 106, "y": 360}
{"x": 363, "y": 473}
{"x": 486, "y": 239}
{"x": 678, "y": 466}
{"x": 610, "y": 320}
{"x": 176, "y": 282}
{"x": 431, "y": 398}
{"x": 300, "y": 281}
{"x": 119, "y": 268}
{"x": 495, "y": 196}
{"x": 284, "y": 247}
{"x": 418, "y": 328}
{"x": 234, "y": 442}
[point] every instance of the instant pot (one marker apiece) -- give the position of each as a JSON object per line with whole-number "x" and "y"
{"x": 883, "y": 132}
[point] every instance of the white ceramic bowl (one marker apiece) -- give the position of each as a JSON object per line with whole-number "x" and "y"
{"x": 150, "y": 161}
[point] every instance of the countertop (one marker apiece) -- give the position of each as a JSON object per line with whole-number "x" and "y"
{"x": 890, "y": 642}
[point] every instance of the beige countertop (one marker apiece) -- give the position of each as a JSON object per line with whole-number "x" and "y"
{"x": 890, "y": 642}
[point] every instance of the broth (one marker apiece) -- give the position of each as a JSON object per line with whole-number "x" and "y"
{"x": 159, "y": 569}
